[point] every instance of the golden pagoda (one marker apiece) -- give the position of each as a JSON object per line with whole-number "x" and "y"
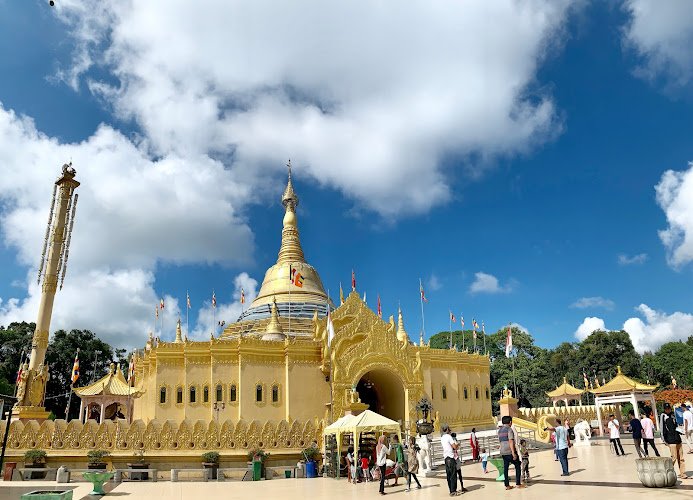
{"x": 107, "y": 397}
{"x": 621, "y": 383}
{"x": 566, "y": 393}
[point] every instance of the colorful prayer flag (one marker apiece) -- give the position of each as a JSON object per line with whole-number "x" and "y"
{"x": 214, "y": 300}
{"x": 75, "y": 369}
{"x": 423, "y": 297}
{"x": 380, "y": 312}
{"x": 452, "y": 317}
{"x": 295, "y": 277}
{"x": 242, "y": 296}
{"x": 20, "y": 372}
{"x": 483, "y": 329}
{"x": 353, "y": 281}
{"x": 476, "y": 325}
{"x": 673, "y": 382}
{"x": 156, "y": 310}
{"x": 162, "y": 302}
{"x": 188, "y": 295}
{"x": 330, "y": 326}
{"x": 341, "y": 294}
{"x": 596, "y": 381}
{"x": 509, "y": 341}
{"x": 584, "y": 377}
{"x": 462, "y": 322}
{"x": 131, "y": 369}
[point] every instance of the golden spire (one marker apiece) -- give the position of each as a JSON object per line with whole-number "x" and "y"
{"x": 402, "y": 335}
{"x": 274, "y": 329}
{"x": 290, "y": 250}
{"x": 179, "y": 334}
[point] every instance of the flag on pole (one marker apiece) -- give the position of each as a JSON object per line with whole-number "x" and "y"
{"x": 509, "y": 341}
{"x": 604, "y": 381}
{"x": 596, "y": 381}
{"x": 452, "y": 317}
{"x": 295, "y": 277}
{"x": 364, "y": 298}
{"x": 483, "y": 329}
{"x": 131, "y": 369}
{"x": 353, "y": 281}
{"x": 162, "y": 301}
{"x": 380, "y": 312}
{"x": 423, "y": 297}
{"x": 476, "y": 325}
{"x": 214, "y": 300}
{"x": 20, "y": 372}
{"x": 341, "y": 294}
{"x": 461, "y": 322}
{"x": 330, "y": 326}
{"x": 156, "y": 310}
{"x": 75, "y": 369}
{"x": 188, "y": 295}
{"x": 673, "y": 382}
{"x": 474, "y": 334}
{"x": 584, "y": 377}
{"x": 242, "y": 296}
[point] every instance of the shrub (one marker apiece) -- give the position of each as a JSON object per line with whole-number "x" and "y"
{"x": 96, "y": 456}
{"x": 35, "y": 456}
{"x": 258, "y": 452}
{"x": 211, "y": 457}
{"x": 310, "y": 453}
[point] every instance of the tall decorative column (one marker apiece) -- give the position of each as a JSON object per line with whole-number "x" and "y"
{"x": 508, "y": 404}
{"x": 32, "y": 389}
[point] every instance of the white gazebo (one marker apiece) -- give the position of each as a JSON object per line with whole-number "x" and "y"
{"x": 622, "y": 389}
{"x": 106, "y": 397}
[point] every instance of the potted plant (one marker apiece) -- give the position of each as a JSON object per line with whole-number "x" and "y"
{"x": 95, "y": 459}
{"x": 210, "y": 460}
{"x": 35, "y": 459}
{"x": 310, "y": 454}
{"x": 260, "y": 455}
{"x": 139, "y": 463}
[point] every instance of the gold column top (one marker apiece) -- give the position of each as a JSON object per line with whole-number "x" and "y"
{"x": 402, "y": 335}
{"x": 290, "y": 250}
{"x": 179, "y": 334}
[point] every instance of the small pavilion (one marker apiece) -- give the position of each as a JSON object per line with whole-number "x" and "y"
{"x": 622, "y": 389}
{"x": 566, "y": 393}
{"x": 107, "y": 397}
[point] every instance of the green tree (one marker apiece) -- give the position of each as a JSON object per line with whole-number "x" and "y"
{"x": 602, "y": 352}
{"x": 460, "y": 338}
{"x": 672, "y": 358}
{"x": 14, "y": 340}
{"x": 60, "y": 358}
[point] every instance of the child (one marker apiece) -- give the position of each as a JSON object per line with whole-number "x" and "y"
{"x": 364, "y": 466}
{"x": 484, "y": 459}
{"x": 524, "y": 451}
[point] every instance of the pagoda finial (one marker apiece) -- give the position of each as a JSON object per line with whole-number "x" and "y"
{"x": 274, "y": 328}
{"x": 289, "y": 199}
{"x": 402, "y": 335}
{"x": 619, "y": 370}
{"x": 179, "y": 334}
{"x": 564, "y": 380}
{"x": 290, "y": 250}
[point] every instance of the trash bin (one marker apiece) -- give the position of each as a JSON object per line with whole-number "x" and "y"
{"x": 287, "y": 474}
{"x": 311, "y": 469}
{"x": 8, "y": 470}
{"x": 257, "y": 470}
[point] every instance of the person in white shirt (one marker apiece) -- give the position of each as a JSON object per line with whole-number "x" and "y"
{"x": 688, "y": 426}
{"x": 449, "y": 446}
{"x": 615, "y": 435}
{"x": 381, "y": 453}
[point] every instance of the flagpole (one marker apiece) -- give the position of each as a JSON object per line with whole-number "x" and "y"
{"x": 462, "y": 326}
{"x": 423, "y": 323}
{"x": 329, "y": 350}
{"x": 484, "y": 330}
{"x": 187, "y": 320}
{"x": 450, "y": 329}
{"x": 214, "y": 313}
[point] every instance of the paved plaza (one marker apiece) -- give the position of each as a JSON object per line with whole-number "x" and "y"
{"x": 596, "y": 474}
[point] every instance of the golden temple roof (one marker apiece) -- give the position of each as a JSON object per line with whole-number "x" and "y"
{"x": 274, "y": 328}
{"x": 113, "y": 384}
{"x": 305, "y": 292}
{"x": 621, "y": 383}
{"x": 564, "y": 390}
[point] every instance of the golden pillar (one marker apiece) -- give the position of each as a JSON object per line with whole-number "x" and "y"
{"x": 32, "y": 389}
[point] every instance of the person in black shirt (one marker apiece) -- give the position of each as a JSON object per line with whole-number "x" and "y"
{"x": 636, "y": 429}
{"x": 673, "y": 439}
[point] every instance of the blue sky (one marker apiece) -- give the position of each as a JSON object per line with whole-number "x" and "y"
{"x": 528, "y": 152}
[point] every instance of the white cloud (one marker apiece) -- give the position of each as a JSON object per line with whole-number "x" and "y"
{"x": 586, "y": 302}
{"x": 369, "y": 114}
{"x": 433, "y": 283}
{"x": 588, "y": 326}
{"x": 487, "y": 283}
{"x": 624, "y": 260}
{"x": 675, "y": 197}
{"x": 662, "y": 34}
{"x": 658, "y": 328}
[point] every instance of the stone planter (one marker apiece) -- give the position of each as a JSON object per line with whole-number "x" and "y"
{"x": 138, "y": 476}
{"x": 36, "y": 475}
{"x": 656, "y": 472}
{"x": 47, "y": 495}
{"x": 214, "y": 468}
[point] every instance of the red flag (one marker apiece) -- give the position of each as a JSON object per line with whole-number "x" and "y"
{"x": 162, "y": 302}
{"x": 423, "y": 297}
{"x": 353, "y": 281}
{"x": 20, "y": 373}
{"x": 452, "y": 317}
{"x": 380, "y": 313}
{"x": 214, "y": 300}
{"x": 461, "y": 321}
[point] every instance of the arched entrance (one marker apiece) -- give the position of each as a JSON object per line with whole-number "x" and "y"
{"x": 383, "y": 391}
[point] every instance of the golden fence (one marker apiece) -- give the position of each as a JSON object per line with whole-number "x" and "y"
{"x": 169, "y": 436}
{"x": 573, "y": 413}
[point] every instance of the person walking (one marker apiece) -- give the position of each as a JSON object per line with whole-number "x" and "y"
{"x": 636, "y": 429}
{"x": 615, "y": 435}
{"x": 475, "y": 444}
{"x": 399, "y": 457}
{"x": 449, "y": 448}
{"x": 648, "y": 433}
{"x": 412, "y": 464}
{"x": 688, "y": 426}
{"x": 508, "y": 451}
{"x": 381, "y": 453}
{"x": 351, "y": 467}
{"x": 562, "y": 445}
{"x": 524, "y": 451}
{"x": 673, "y": 439}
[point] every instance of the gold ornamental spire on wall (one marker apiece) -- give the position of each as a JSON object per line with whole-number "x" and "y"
{"x": 290, "y": 250}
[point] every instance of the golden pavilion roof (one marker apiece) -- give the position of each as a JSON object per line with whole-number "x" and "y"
{"x": 113, "y": 384}
{"x": 621, "y": 383}
{"x": 565, "y": 390}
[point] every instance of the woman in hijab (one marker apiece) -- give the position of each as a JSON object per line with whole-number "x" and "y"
{"x": 381, "y": 453}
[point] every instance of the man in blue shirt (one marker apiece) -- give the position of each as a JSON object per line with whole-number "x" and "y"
{"x": 636, "y": 429}
{"x": 562, "y": 445}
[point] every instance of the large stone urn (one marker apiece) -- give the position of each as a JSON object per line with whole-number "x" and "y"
{"x": 656, "y": 472}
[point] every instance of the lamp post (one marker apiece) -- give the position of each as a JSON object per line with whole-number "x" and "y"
{"x": 218, "y": 406}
